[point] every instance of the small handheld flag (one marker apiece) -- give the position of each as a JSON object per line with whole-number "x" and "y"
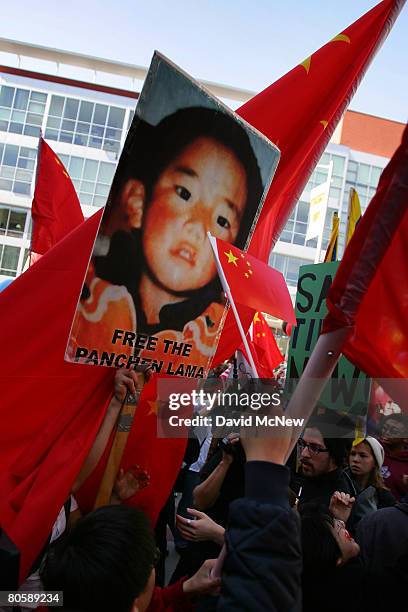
{"x": 56, "y": 209}
{"x": 252, "y": 282}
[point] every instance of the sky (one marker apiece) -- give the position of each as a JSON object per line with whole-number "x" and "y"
{"x": 242, "y": 43}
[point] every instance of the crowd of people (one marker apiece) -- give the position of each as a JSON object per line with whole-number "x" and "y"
{"x": 326, "y": 529}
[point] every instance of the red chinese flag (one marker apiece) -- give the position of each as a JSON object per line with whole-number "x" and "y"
{"x": 50, "y": 410}
{"x": 268, "y": 355}
{"x": 56, "y": 209}
{"x": 253, "y": 283}
{"x": 370, "y": 291}
{"x": 299, "y": 113}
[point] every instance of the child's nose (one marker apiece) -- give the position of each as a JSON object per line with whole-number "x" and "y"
{"x": 196, "y": 230}
{"x": 199, "y": 224}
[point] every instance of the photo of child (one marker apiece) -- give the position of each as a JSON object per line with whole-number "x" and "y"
{"x": 194, "y": 172}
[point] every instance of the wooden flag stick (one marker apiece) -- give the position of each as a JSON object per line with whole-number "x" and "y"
{"x": 124, "y": 425}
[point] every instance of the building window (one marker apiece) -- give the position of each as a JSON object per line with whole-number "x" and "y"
{"x": 364, "y": 179}
{"x": 85, "y": 123}
{"x": 9, "y": 260}
{"x": 12, "y": 221}
{"x": 92, "y": 179}
{"x": 131, "y": 115}
{"x": 21, "y": 110}
{"x": 296, "y": 227}
{"x": 16, "y": 168}
{"x": 289, "y": 266}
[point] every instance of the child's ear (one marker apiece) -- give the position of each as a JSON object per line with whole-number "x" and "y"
{"x": 132, "y": 202}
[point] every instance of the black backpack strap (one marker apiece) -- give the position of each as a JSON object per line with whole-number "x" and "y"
{"x": 351, "y": 483}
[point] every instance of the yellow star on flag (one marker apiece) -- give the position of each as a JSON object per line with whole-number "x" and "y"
{"x": 153, "y": 407}
{"x": 63, "y": 169}
{"x": 306, "y": 64}
{"x": 231, "y": 258}
{"x": 342, "y": 38}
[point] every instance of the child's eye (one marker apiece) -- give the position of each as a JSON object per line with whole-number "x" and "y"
{"x": 183, "y": 192}
{"x": 223, "y": 222}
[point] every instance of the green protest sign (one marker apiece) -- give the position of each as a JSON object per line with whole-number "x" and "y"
{"x": 349, "y": 388}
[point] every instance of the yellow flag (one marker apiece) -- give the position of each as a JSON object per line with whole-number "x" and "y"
{"x": 354, "y": 214}
{"x": 331, "y": 253}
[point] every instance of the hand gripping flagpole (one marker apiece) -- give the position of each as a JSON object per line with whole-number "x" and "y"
{"x": 124, "y": 424}
{"x": 227, "y": 290}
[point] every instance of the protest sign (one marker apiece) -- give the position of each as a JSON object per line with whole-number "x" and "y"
{"x": 151, "y": 294}
{"x": 349, "y": 388}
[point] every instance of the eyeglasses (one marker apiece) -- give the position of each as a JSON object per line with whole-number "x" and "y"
{"x": 392, "y": 431}
{"x": 314, "y": 449}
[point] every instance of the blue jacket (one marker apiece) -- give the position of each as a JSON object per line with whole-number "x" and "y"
{"x": 263, "y": 566}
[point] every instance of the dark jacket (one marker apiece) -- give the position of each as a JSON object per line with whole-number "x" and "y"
{"x": 368, "y": 500}
{"x": 338, "y": 590}
{"x": 394, "y": 467}
{"x": 194, "y": 555}
{"x": 263, "y": 566}
{"x": 383, "y": 539}
{"x": 320, "y": 489}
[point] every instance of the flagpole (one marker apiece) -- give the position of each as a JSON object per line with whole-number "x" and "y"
{"x": 227, "y": 290}
{"x": 123, "y": 427}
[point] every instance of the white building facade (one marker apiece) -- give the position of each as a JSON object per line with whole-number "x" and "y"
{"x": 84, "y": 107}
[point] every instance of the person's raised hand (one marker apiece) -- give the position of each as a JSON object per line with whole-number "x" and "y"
{"x": 130, "y": 482}
{"x": 267, "y": 443}
{"x": 202, "y": 581}
{"x": 266, "y": 448}
{"x": 202, "y": 528}
{"x": 228, "y": 458}
{"x": 129, "y": 381}
{"x": 271, "y": 441}
{"x": 341, "y": 505}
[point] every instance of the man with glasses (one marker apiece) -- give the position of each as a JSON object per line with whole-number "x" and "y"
{"x": 322, "y": 451}
{"x": 394, "y": 438}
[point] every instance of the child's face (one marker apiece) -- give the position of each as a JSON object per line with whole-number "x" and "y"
{"x": 204, "y": 189}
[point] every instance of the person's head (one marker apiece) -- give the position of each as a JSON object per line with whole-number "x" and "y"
{"x": 326, "y": 543}
{"x": 320, "y": 452}
{"x": 199, "y": 175}
{"x": 315, "y": 457}
{"x": 365, "y": 461}
{"x": 105, "y": 562}
{"x": 394, "y": 431}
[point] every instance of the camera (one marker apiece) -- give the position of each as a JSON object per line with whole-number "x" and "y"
{"x": 227, "y": 446}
